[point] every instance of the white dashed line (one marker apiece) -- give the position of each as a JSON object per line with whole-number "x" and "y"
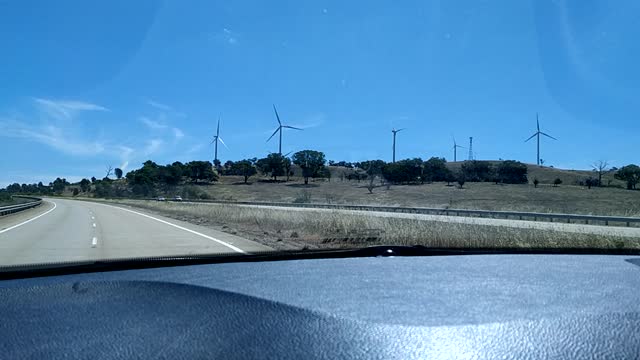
{"x": 236, "y": 249}
{"x": 94, "y": 242}
{"x": 94, "y": 225}
{"x": 30, "y": 220}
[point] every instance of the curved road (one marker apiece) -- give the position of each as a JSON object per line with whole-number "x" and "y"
{"x": 71, "y": 230}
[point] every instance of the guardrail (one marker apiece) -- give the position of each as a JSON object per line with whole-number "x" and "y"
{"x": 512, "y": 215}
{"x": 10, "y": 209}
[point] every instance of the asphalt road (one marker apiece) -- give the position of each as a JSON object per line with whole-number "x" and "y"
{"x": 70, "y": 230}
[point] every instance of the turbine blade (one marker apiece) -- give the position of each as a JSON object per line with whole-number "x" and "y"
{"x": 537, "y": 122}
{"x": 549, "y": 136}
{"x": 274, "y": 134}
{"x": 277, "y": 116}
{"x": 532, "y": 136}
{"x": 287, "y": 154}
{"x": 218, "y": 129}
{"x": 291, "y": 127}
{"x": 225, "y": 145}
{"x": 400, "y": 129}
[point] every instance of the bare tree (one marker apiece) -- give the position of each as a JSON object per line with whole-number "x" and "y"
{"x": 601, "y": 168}
{"x": 109, "y": 170}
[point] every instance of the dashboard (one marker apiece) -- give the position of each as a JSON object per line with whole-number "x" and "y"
{"x": 465, "y": 306}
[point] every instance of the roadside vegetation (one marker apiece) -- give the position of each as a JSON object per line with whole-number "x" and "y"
{"x": 290, "y": 229}
{"x": 307, "y": 177}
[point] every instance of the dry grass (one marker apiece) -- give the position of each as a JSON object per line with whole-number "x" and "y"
{"x": 276, "y": 228}
{"x": 486, "y": 196}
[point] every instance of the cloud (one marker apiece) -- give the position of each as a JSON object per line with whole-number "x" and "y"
{"x": 152, "y": 124}
{"x": 52, "y": 136}
{"x": 153, "y": 146}
{"x": 158, "y": 105}
{"x": 66, "y": 109}
{"x": 178, "y": 133}
{"x": 312, "y": 121}
{"x": 227, "y": 36}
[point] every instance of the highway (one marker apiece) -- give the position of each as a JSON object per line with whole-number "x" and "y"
{"x": 71, "y": 230}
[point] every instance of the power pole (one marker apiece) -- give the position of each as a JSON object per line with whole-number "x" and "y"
{"x": 470, "y": 147}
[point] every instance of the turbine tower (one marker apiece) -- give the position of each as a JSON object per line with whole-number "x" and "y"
{"x": 394, "y": 131}
{"x": 537, "y": 135}
{"x": 470, "y": 147}
{"x": 455, "y": 149}
{"x": 279, "y": 129}
{"x": 215, "y": 140}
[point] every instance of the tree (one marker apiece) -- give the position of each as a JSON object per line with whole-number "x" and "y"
{"x": 201, "y": 170}
{"x": 85, "y": 185}
{"x": 58, "y": 185}
{"x": 600, "y": 167}
{"x": 557, "y": 182}
{"x": 109, "y": 170}
{"x": 272, "y": 165}
{"x": 403, "y": 171}
{"x": 476, "y": 170}
{"x": 536, "y": 182}
{"x": 286, "y": 165}
{"x": 435, "y": 169}
{"x": 310, "y": 161}
{"x": 630, "y": 174}
{"x": 118, "y": 173}
{"x": 243, "y": 168}
{"x": 591, "y": 182}
{"x": 75, "y": 192}
{"x": 512, "y": 172}
{"x": 461, "y": 179}
{"x": 93, "y": 179}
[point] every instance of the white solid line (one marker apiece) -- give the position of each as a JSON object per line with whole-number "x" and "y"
{"x": 30, "y": 220}
{"x": 181, "y": 228}
{"x": 94, "y": 242}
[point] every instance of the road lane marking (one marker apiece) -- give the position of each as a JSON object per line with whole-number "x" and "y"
{"x": 30, "y": 220}
{"x": 94, "y": 224}
{"x": 236, "y": 249}
{"x": 94, "y": 241}
{"x": 93, "y": 218}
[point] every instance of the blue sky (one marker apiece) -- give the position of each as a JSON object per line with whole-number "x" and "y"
{"x": 84, "y": 84}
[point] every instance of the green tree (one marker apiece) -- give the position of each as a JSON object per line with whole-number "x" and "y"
{"x": 59, "y": 185}
{"x": 201, "y": 170}
{"x": 75, "y": 192}
{"x": 476, "y": 170}
{"x": 512, "y": 172}
{"x": 435, "y": 169}
{"x": 536, "y": 182}
{"x": 272, "y": 165}
{"x": 630, "y": 174}
{"x": 310, "y": 161}
{"x": 557, "y": 182}
{"x": 403, "y": 171}
{"x": 244, "y": 168}
{"x": 85, "y": 185}
{"x": 118, "y": 173}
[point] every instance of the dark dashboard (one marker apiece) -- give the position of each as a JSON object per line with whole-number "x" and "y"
{"x": 475, "y": 306}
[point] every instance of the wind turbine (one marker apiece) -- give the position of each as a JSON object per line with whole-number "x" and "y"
{"x": 537, "y": 135}
{"x": 215, "y": 140}
{"x": 455, "y": 149}
{"x": 279, "y": 129}
{"x": 394, "y": 131}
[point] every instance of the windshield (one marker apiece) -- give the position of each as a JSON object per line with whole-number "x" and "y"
{"x": 157, "y": 128}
